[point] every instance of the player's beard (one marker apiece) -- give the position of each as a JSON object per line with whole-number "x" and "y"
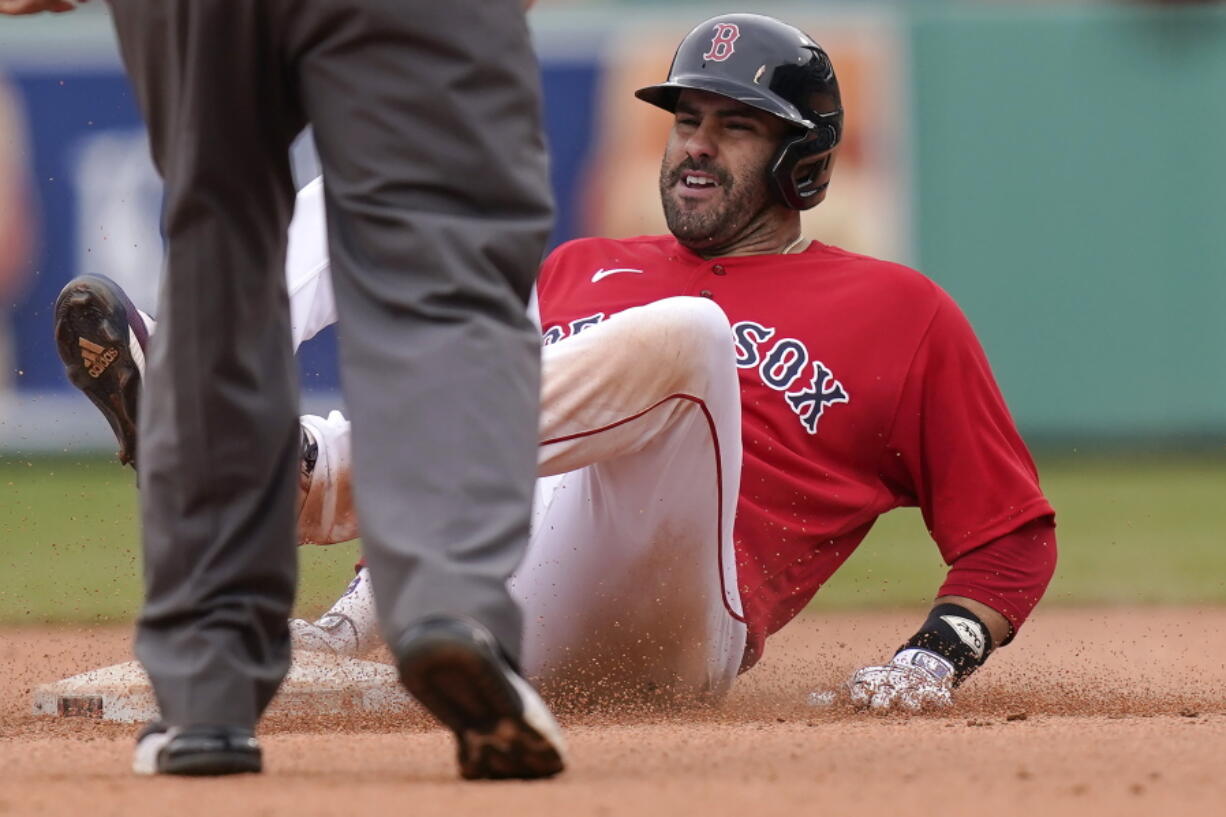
{"x": 744, "y": 199}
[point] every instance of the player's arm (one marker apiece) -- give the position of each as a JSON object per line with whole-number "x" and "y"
{"x": 956, "y": 453}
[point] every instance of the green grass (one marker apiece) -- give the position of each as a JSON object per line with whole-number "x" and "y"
{"x": 1149, "y": 530}
{"x": 70, "y": 546}
{"x": 1130, "y": 530}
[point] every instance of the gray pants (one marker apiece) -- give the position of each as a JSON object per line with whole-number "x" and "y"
{"x": 426, "y": 116}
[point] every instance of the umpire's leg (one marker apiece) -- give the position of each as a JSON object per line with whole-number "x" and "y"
{"x": 217, "y": 424}
{"x": 427, "y": 120}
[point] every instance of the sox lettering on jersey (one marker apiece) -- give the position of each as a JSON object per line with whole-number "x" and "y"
{"x": 579, "y": 325}
{"x": 723, "y": 44}
{"x": 555, "y": 333}
{"x": 810, "y": 402}
{"x": 781, "y": 366}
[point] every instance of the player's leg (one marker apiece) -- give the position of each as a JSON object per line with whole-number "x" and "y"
{"x": 668, "y": 366}
{"x": 438, "y": 209}
{"x": 218, "y": 440}
{"x": 102, "y": 337}
{"x": 308, "y": 270}
{"x": 630, "y": 580}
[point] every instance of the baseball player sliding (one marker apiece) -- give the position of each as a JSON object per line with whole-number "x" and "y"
{"x": 726, "y": 410}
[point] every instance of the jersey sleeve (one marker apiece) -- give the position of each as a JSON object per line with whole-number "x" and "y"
{"x": 1009, "y": 574}
{"x": 954, "y": 450}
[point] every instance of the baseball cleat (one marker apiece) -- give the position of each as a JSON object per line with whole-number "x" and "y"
{"x": 455, "y": 669}
{"x": 350, "y": 628}
{"x": 101, "y": 339}
{"x": 198, "y": 751}
{"x": 336, "y": 635}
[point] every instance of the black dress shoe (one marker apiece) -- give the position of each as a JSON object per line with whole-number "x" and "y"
{"x": 196, "y": 750}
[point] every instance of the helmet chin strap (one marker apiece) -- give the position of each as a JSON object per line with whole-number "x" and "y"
{"x": 793, "y": 245}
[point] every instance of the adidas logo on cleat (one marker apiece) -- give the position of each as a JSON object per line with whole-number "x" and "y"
{"x": 97, "y": 358}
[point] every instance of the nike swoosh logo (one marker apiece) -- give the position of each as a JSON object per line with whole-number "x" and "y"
{"x": 603, "y": 273}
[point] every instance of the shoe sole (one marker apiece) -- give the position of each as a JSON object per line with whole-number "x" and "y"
{"x": 210, "y": 764}
{"x": 93, "y": 315}
{"x": 152, "y": 757}
{"x": 502, "y": 727}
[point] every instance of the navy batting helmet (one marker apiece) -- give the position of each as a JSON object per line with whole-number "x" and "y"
{"x": 774, "y": 67}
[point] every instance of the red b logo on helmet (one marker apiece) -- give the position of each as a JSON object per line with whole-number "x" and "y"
{"x": 722, "y": 44}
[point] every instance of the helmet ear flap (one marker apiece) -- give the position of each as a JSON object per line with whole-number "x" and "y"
{"x": 800, "y": 172}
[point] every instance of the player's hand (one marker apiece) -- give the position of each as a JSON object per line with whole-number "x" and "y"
{"x": 914, "y": 681}
{"x": 35, "y": 6}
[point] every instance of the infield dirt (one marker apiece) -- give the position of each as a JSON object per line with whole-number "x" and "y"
{"x": 1091, "y": 712}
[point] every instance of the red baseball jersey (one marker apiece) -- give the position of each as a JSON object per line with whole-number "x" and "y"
{"x": 863, "y": 388}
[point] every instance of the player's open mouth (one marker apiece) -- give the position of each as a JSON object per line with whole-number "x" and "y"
{"x": 697, "y": 185}
{"x": 698, "y": 180}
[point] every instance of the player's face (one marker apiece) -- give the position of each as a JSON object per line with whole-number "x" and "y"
{"x": 713, "y": 179}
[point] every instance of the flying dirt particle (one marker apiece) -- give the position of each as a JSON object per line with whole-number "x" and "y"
{"x": 822, "y": 698}
{"x": 1136, "y": 788}
{"x": 1024, "y": 774}
{"x": 1080, "y": 789}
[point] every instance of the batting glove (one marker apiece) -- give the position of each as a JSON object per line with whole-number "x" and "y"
{"x": 914, "y": 680}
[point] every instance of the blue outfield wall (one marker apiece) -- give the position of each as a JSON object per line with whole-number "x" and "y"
{"x": 63, "y": 109}
{"x": 67, "y": 109}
